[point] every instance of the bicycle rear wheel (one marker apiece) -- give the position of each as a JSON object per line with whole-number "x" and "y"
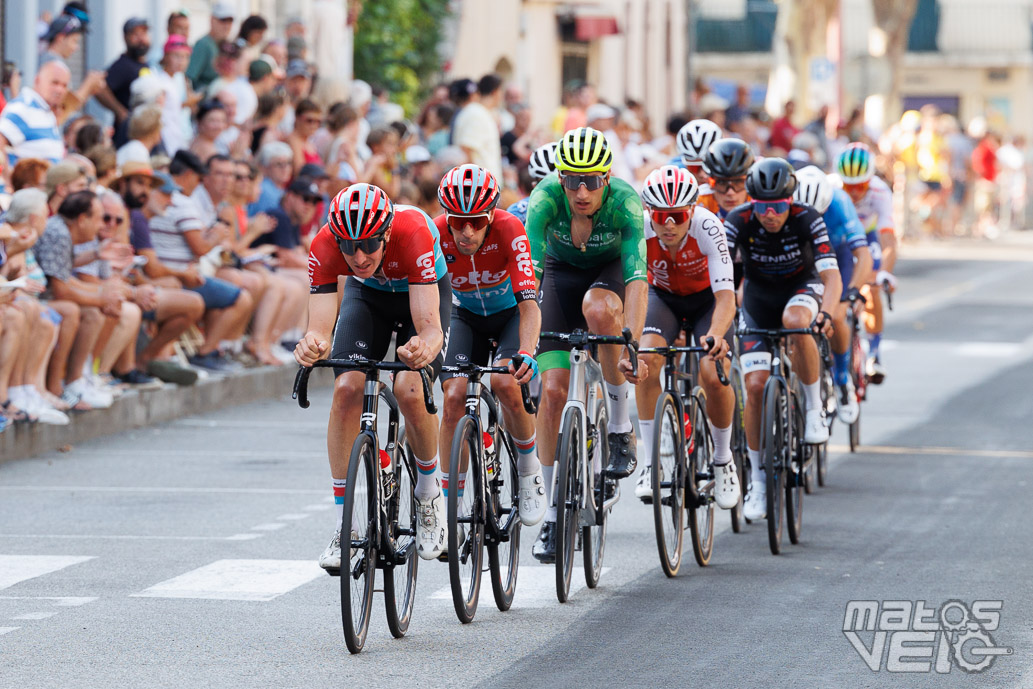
{"x": 465, "y": 520}
{"x": 400, "y": 580}
{"x": 860, "y": 386}
{"x": 568, "y": 502}
{"x": 773, "y": 447}
{"x": 739, "y": 455}
{"x": 593, "y": 538}
{"x": 359, "y": 542}
{"x": 504, "y": 555}
{"x": 796, "y": 465}
{"x": 700, "y": 481}
{"x": 668, "y": 479}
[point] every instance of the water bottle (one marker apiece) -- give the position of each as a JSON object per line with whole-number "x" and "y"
{"x": 689, "y": 437}
{"x": 490, "y": 455}
{"x": 387, "y": 477}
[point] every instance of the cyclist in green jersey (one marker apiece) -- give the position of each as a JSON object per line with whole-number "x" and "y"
{"x": 589, "y": 253}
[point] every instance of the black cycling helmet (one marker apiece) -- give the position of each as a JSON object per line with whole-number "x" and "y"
{"x": 771, "y": 179}
{"x": 728, "y": 159}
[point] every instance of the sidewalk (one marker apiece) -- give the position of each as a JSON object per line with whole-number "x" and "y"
{"x": 136, "y": 409}
{"x": 1011, "y": 246}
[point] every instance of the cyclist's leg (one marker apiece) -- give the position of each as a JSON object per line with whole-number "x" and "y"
{"x": 762, "y": 308}
{"x": 603, "y": 308}
{"x": 800, "y": 312}
{"x": 873, "y": 296}
{"x": 464, "y": 346}
{"x": 840, "y": 340}
{"x": 720, "y": 398}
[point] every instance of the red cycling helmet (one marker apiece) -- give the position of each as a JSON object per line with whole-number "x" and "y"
{"x": 360, "y": 211}
{"x": 468, "y": 190}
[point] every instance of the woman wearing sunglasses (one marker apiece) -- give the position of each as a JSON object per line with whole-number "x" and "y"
{"x": 396, "y": 283}
{"x": 690, "y": 287}
{"x": 791, "y": 280}
{"x": 589, "y": 252}
{"x": 489, "y": 262}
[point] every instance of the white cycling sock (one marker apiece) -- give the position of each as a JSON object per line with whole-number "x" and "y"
{"x": 756, "y": 468}
{"x": 340, "y": 485}
{"x": 620, "y": 419}
{"x": 647, "y": 440}
{"x": 722, "y": 444}
{"x": 812, "y": 393}
{"x": 426, "y": 475}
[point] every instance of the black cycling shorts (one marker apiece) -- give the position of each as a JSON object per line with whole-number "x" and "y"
{"x": 763, "y": 306}
{"x": 369, "y": 317}
{"x": 668, "y": 314}
{"x": 562, "y": 293}
{"x": 470, "y": 336}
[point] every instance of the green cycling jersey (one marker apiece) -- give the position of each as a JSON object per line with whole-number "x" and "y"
{"x": 617, "y": 229}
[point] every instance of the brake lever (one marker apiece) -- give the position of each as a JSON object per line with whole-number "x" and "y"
{"x": 301, "y": 386}
{"x": 632, "y": 348}
{"x": 428, "y": 390}
{"x": 525, "y": 394}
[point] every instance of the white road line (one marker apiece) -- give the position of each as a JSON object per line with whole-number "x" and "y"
{"x": 244, "y": 537}
{"x": 34, "y": 616}
{"x": 247, "y": 580}
{"x": 293, "y": 517}
{"x": 316, "y": 508}
{"x": 7, "y": 630}
{"x": 242, "y": 423}
{"x": 58, "y": 601}
{"x": 110, "y": 537}
{"x": 271, "y": 526}
{"x": 197, "y": 453}
{"x": 163, "y": 489}
{"x": 17, "y": 568}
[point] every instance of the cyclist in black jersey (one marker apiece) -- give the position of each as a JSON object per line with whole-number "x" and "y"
{"x": 791, "y": 280}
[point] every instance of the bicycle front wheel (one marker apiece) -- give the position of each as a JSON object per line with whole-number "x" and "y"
{"x": 796, "y": 466}
{"x": 503, "y": 492}
{"x": 400, "y": 580}
{"x": 668, "y": 479}
{"x": 773, "y": 449}
{"x": 739, "y": 455}
{"x": 568, "y": 501}
{"x": 593, "y": 538}
{"x": 465, "y": 520}
{"x": 359, "y": 542}
{"x": 700, "y": 479}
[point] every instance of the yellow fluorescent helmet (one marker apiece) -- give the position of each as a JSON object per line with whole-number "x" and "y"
{"x": 583, "y": 150}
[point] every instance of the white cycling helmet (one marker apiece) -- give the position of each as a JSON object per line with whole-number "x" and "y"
{"x": 695, "y": 138}
{"x": 670, "y": 187}
{"x": 813, "y": 188}
{"x": 543, "y": 161}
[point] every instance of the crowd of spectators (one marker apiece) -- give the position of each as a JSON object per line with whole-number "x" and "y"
{"x": 169, "y": 239}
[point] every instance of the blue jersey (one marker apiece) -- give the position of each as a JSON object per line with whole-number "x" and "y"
{"x": 844, "y": 226}
{"x": 519, "y": 209}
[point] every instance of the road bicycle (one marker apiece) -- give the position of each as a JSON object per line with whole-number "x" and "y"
{"x": 379, "y": 526}
{"x": 485, "y": 513}
{"x": 858, "y": 374}
{"x": 829, "y": 405}
{"x": 683, "y": 453}
{"x": 584, "y": 495}
{"x": 783, "y": 451}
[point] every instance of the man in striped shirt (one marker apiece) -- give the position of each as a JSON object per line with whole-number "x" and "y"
{"x": 28, "y": 125}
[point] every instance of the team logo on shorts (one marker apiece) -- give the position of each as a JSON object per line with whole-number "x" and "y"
{"x": 461, "y": 357}
{"x": 360, "y": 344}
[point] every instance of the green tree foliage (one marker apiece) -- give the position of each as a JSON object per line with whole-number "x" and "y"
{"x": 396, "y": 46}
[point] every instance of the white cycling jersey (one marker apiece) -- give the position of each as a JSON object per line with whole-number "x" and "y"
{"x": 700, "y": 261}
{"x": 875, "y": 209}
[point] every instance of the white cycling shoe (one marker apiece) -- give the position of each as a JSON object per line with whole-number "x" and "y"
{"x": 532, "y": 498}
{"x": 644, "y": 485}
{"x": 815, "y": 431}
{"x": 331, "y": 557}
{"x": 432, "y": 526}
{"x": 726, "y": 485}
{"x": 755, "y": 507}
{"x": 848, "y": 409}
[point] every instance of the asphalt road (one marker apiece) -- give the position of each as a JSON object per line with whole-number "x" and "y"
{"x": 184, "y": 555}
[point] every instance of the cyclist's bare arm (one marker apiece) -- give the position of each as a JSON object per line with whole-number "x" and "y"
{"x": 833, "y": 289}
{"x": 863, "y": 267}
{"x": 421, "y": 349}
{"x": 322, "y": 313}
{"x": 888, "y": 240}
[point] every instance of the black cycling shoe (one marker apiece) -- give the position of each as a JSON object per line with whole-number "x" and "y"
{"x": 544, "y": 549}
{"x": 610, "y": 487}
{"x": 622, "y": 455}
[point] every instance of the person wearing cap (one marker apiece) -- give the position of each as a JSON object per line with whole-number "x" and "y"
{"x": 29, "y": 124}
{"x": 175, "y": 115}
{"x": 63, "y": 180}
{"x": 124, "y": 71}
{"x": 63, "y": 38}
{"x": 261, "y": 76}
{"x": 298, "y": 85}
{"x": 316, "y": 173}
{"x": 201, "y": 70}
{"x": 297, "y": 209}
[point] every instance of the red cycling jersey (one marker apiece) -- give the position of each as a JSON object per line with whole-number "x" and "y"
{"x": 412, "y": 256}
{"x": 499, "y": 275}
{"x": 700, "y": 262}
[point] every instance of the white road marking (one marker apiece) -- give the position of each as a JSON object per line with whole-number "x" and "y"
{"x": 163, "y": 489}
{"x": 58, "y": 601}
{"x": 248, "y": 580}
{"x": 984, "y": 350}
{"x": 316, "y": 508}
{"x": 271, "y": 526}
{"x": 244, "y": 537}
{"x": 16, "y": 568}
{"x": 34, "y": 616}
{"x": 536, "y": 586}
{"x": 7, "y": 630}
{"x": 933, "y": 451}
{"x": 114, "y": 537}
{"x": 293, "y": 517}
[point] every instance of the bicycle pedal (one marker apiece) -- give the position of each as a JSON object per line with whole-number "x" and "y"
{"x": 442, "y": 556}
{"x": 332, "y": 571}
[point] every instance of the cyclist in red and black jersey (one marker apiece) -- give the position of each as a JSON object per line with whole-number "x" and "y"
{"x": 690, "y": 287}
{"x": 396, "y": 284}
{"x": 493, "y": 286}
{"x": 791, "y": 280}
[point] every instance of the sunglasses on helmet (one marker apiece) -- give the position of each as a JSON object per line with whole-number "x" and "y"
{"x": 457, "y": 222}
{"x": 662, "y": 217}
{"x": 369, "y": 245}
{"x": 764, "y": 207}
{"x": 591, "y": 182}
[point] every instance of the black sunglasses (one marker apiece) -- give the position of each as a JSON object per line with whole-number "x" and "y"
{"x": 311, "y": 199}
{"x": 109, "y": 218}
{"x": 591, "y": 182}
{"x": 368, "y": 246}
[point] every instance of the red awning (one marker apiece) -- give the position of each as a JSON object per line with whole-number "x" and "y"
{"x": 590, "y": 28}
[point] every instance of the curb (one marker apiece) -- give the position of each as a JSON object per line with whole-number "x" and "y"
{"x": 136, "y": 409}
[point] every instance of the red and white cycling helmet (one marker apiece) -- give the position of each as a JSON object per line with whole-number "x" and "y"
{"x": 670, "y": 186}
{"x": 468, "y": 190}
{"x": 359, "y": 212}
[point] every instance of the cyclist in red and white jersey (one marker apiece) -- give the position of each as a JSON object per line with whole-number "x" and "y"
{"x": 493, "y": 288}
{"x": 396, "y": 284}
{"x": 690, "y": 287}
